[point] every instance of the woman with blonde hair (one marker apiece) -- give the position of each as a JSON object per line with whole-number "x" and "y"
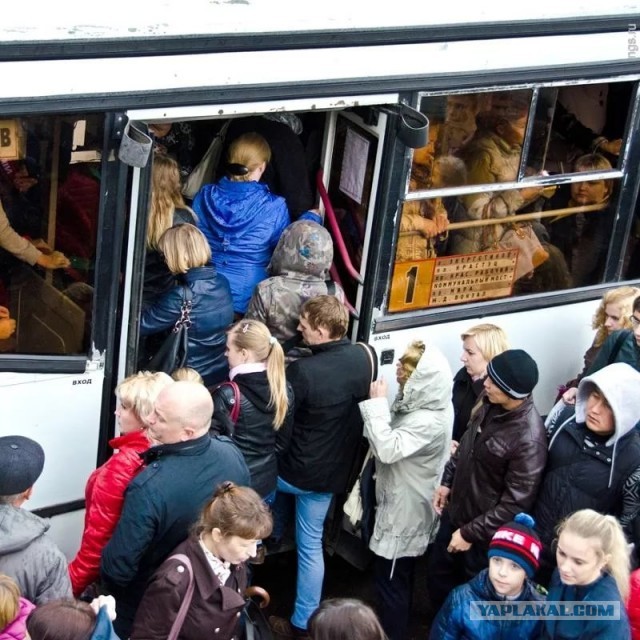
{"x": 204, "y": 291}
{"x": 104, "y": 492}
{"x": 214, "y": 557}
{"x": 593, "y": 566}
{"x": 167, "y": 208}
{"x": 241, "y": 219}
{"x": 480, "y": 344}
{"x": 256, "y": 363}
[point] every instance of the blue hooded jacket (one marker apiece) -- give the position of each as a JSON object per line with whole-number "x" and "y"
{"x": 104, "y": 629}
{"x": 242, "y": 222}
{"x": 453, "y": 621}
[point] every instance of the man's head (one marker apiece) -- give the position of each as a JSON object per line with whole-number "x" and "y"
{"x": 511, "y": 377}
{"x": 182, "y": 411}
{"x": 323, "y": 319}
{"x": 591, "y": 191}
{"x": 21, "y": 463}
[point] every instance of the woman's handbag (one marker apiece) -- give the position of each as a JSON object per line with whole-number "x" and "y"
{"x": 531, "y": 253}
{"x": 204, "y": 171}
{"x": 173, "y": 352}
{"x": 353, "y": 506}
{"x": 256, "y": 626}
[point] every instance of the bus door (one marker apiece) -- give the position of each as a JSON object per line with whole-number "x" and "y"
{"x": 351, "y": 169}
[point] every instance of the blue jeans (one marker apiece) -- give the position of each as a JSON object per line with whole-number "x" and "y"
{"x": 311, "y": 511}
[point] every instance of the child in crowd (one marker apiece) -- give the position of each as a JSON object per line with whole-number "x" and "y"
{"x": 593, "y": 565}
{"x": 514, "y": 557}
{"x": 345, "y": 619}
{"x": 214, "y": 558}
{"x": 14, "y": 610}
{"x": 104, "y": 493}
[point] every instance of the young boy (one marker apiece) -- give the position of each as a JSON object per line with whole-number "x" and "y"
{"x": 514, "y": 557}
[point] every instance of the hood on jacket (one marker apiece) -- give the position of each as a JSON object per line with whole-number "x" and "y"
{"x": 619, "y": 383}
{"x": 19, "y": 528}
{"x": 429, "y": 386}
{"x": 304, "y": 247}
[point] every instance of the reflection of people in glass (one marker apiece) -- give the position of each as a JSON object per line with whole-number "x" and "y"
{"x": 7, "y": 324}
{"x": 493, "y": 156}
{"x": 584, "y": 238}
{"x": 460, "y": 123}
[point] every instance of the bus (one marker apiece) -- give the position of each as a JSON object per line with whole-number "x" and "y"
{"x": 389, "y": 100}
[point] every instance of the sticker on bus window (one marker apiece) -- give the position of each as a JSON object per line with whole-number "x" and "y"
{"x": 452, "y": 280}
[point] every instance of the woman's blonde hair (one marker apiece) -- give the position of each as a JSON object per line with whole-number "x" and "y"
{"x": 9, "y": 600}
{"x": 490, "y": 339}
{"x": 184, "y": 247}
{"x": 236, "y": 511}
{"x": 187, "y": 374}
{"x": 166, "y": 197}
{"x": 623, "y": 297}
{"x": 254, "y": 336}
{"x": 610, "y": 542}
{"x": 139, "y": 391}
{"x": 248, "y": 151}
{"x": 410, "y": 358}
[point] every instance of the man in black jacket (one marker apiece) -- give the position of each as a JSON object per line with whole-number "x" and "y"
{"x": 493, "y": 475}
{"x": 183, "y": 468}
{"x": 316, "y": 453}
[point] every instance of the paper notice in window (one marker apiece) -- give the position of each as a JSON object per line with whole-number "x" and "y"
{"x": 354, "y": 165}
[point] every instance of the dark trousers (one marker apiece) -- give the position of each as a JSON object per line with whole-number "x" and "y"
{"x": 394, "y": 595}
{"x": 446, "y": 571}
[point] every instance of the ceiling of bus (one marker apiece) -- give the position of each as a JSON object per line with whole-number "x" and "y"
{"x": 123, "y": 19}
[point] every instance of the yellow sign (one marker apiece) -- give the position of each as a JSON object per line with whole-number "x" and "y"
{"x": 12, "y": 141}
{"x": 452, "y": 280}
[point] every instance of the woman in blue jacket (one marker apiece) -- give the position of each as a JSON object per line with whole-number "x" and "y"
{"x": 188, "y": 257}
{"x": 241, "y": 219}
{"x": 593, "y": 566}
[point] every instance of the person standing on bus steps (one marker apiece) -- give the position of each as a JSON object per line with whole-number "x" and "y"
{"x": 241, "y": 219}
{"x": 256, "y": 363}
{"x": 299, "y": 270}
{"x": 410, "y": 442}
{"x": 493, "y": 475}
{"x": 182, "y": 469}
{"x": 104, "y": 493}
{"x": 27, "y": 554}
{"x": 316, "y": 452}
{"x": 188, "y": 256}
{"x": 594, "y": 456}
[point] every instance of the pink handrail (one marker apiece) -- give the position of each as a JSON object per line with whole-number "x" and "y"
{"x": 335, "y": 229}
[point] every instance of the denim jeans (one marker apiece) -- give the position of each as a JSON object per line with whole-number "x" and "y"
{"x": 311, "y": 511}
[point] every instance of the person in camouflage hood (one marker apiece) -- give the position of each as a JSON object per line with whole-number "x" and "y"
{"x": 299, "y": 271}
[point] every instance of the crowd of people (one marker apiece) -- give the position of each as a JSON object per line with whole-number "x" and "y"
{"x": 274, "y": 416}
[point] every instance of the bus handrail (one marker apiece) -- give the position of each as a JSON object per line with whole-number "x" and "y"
{"x": 335, "y": 229}
{"x": 524, "y": 217}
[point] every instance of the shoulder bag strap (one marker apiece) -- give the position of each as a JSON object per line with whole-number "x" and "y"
{"x": 373, "y": 361}
{"x": 234, "y": 414}
{"x": 617, "y": 346}
{"x": 186, "y": 601}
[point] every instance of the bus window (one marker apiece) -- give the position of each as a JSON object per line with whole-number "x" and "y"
{"x": 50, "y": 194}
{"x": 450, "y": 244}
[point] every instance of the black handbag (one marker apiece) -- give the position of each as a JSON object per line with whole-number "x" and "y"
{"x": 173, "y": 352}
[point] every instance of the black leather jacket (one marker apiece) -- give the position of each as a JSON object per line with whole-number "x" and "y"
{"x": 497, "y": 469}
{"x": 253, "y": 433}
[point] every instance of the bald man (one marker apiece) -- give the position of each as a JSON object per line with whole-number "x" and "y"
{"x": 183, "y": 467}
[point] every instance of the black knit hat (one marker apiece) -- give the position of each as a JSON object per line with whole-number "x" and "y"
{"x": 515, "y": 372}
{"x": 21, "y": 463}
{"x": 518, "y": 542}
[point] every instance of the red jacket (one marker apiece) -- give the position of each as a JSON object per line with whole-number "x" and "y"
{"x": 633, "y": 605}
{"x": 104, "y": 497}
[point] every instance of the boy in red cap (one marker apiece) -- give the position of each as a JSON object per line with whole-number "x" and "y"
{"x": 514, "y": 557}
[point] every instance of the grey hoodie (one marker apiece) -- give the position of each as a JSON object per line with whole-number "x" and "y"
{"x": 30, "y": 557}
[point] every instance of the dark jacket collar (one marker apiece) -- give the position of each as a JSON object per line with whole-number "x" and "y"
{"x": 329, "y": 346}
{"x": 189, "y": 448}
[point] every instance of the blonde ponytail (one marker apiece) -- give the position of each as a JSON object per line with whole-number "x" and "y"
{"x": 606, "y": 530}
{"x": 254, "y": 336}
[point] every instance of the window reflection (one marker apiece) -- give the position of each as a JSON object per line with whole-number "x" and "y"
{"x": 50, "y": 194}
